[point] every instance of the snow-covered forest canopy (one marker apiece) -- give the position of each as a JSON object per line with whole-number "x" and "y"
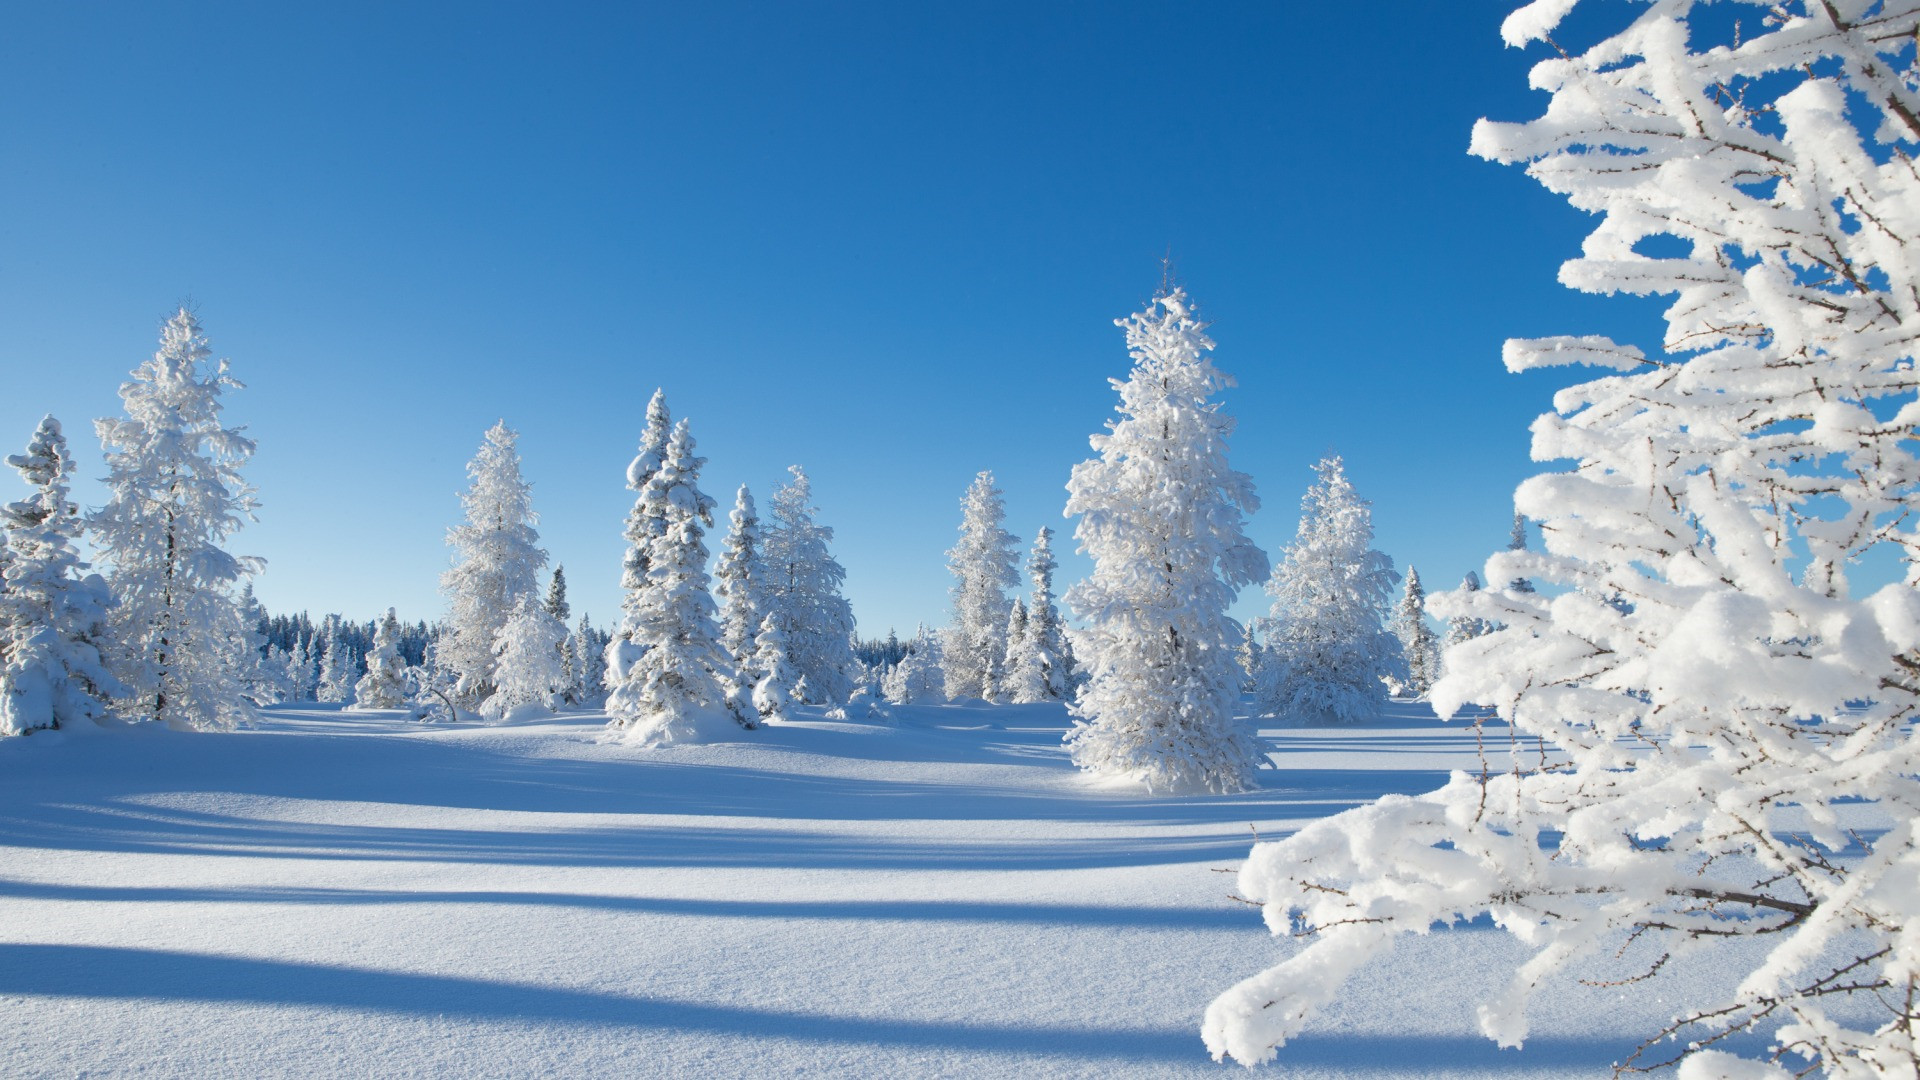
{"x": 1640, "y": 793}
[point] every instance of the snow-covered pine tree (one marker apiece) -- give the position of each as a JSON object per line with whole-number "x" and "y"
{"x": 803, "y": 590}
{"x": 1161, "y": 512}
{"x": 499, "y": 561}
{"x": 1019, "y": 671}
{"x": 1464, "y": 627}
{"x": 384, "y": 686}
{"x": 774, "y": 692}
{"x": 1418, "y": 644}
{"x": 338, "y": 672}
{"x": 526, "y": 661}
{"x": 983, "y": 567}
{"x": 174, "y": 496}
{"x": 1328, "y": 653}
{"x": 1518, "y": 542}
{"x": 53, "y": 614}
{"x": 303, "y": 672}
{"x": 919, "y": 678}
{"x": 683, "y": 683}
{"x": 642, "y": 527}
{"x": 1731, "y": 769}
{"x": 589, "y": 650}
{"x": 739, "y": 585}
{"x": 1047, "y": 671}
{"x": 557, "y": 605}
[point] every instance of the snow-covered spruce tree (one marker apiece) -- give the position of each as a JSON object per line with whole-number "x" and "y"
{"x": 1463, "y": 627}
{"x": 1328, "y": 652}
{"x": 174, "y": 495}
{"x": 983, "y": 567}
{"x": 1046, "y": 666}
{"x": 682, "y": 681}
{"x": 526, "y": 661}
{"x": 53, "y": 614}
{"x": 589, "y": 650}
{"x": 1161, "y": 513}
{"x": 337, "y": 670}
{"x": 384, "y": 686}
{"x": 739, "y": 585}
{"x": 557, "y": 605}
{"x": 498, "y": 562}
{"x": 919, "y": 678}
{"x": 1518, "y": 542}
{"x": 1418, "y": 644}
{"x": 803, "y": 591}
{"x": 1732, "y": 776}
{"x": 773, "y": 693}
{"x": 1018, "y": 670}
{"x": 643, "y": 526}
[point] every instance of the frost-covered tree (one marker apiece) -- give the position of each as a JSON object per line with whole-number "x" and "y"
{"x": 1731, "y": 775}
{"x": 175, "y": 494}
{"x": 1463, "y": 627}
{"x": 337, "y": 671}
{"x": 1018, "y": 671}
{"x": 775, "y": 691}
{"x": 1418, "y": 644}
{"x": 803, "y": 592}
{"x": 739, "y": 585}
{"x": 526, "y": 661}
{"x": 1328, "y": 652}
{"x": 589, "y": 650}
{"x": 1161, "y": 513}
{"x": 557, "y": 605}
{"x": 643, "y": 526}
{"x": 498, "y": 561}
{"x": 53, "y": 614}
{"x": 1518, "y": 542}
{"x": 1043, "y": 670}
{"x": 919, "y": 678}
{"x": 682, "y": 679}
{"x": 384, "y": 686}
{"x": 983, "y": 567}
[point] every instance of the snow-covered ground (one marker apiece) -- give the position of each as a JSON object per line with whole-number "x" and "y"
{"x": 342, "y": 894}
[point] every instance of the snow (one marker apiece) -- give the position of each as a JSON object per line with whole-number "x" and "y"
{"x": 942, "y": 895}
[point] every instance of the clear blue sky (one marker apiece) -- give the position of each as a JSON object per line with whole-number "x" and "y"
{"x": 884, "y": 240}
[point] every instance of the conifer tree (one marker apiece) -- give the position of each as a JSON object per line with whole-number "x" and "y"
{"x": 803, "y": 591}
{"x": 774, "y": 693}
{"x": 918, "y": 679}
{"x": 557, "y": 596}
{"x": 1518, "y": 542}
{"x": 384, "y": 686}
{"x": 1022, "y": 679}
{"x": 53, "y": 615}
{"x": 739, "y": 585}
{"x": 499, "y": 561}
{"x": 643, "y": 526}
{"x": 1465, "y": 627}
{"x": 1161, "y": 513}
{"x": 1046, "y": 664}
{"x": 1417, "y": 641}
{"x": 682, "y": 678}
{"x": 982, "y": 564}
{"x": 337, "y": 674}
{"x": 590, "y": 647}
{"x": 175, "y": 494}
{"x": 526, "y": 660}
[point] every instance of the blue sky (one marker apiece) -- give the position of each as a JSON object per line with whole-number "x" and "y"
{"x": 884, "y": 240}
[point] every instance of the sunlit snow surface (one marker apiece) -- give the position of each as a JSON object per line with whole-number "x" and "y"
{"x": 342, "y": 894}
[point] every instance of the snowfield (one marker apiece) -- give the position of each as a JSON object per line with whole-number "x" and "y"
{"x": 355, "y": 894}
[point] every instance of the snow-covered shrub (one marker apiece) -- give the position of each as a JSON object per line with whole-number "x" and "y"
{"x": 174, "y": 495}
{"x": 1732, "y": 767}
{"x": 1161, "y": 515}
{"x": 1329, "y": 656}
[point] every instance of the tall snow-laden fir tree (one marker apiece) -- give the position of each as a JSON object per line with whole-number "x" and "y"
{"x": 590, "y": 646}
{"x": 557, "y": 605}
{"x": 1418, "y": 645}
{"x": 498, "y": 561}
{"x": 983, "y": 567}
{"x": 1518, "y": 542}
{"x": 1043, "y": 670}
{"x": 739, "y": 585}
{"x": 174, "y": 496}
{"x": 1328, "y": 652}
{"x": 643, "y": 526}
{"x": 1161, "y": 513}
{"x": 682, "y": 680}
{"x": 53, "y": 614}
{"x": 527, "y": 661}
{"x": 384, "y": 686}
{"x": 1018, "y": 672}
{"x": 1730, "y": 775}
{"x": 803, "y": 591}
{"x": 919, "y": 678}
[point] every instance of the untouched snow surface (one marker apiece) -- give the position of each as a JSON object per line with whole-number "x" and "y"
{"x": 354, "y": 894}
